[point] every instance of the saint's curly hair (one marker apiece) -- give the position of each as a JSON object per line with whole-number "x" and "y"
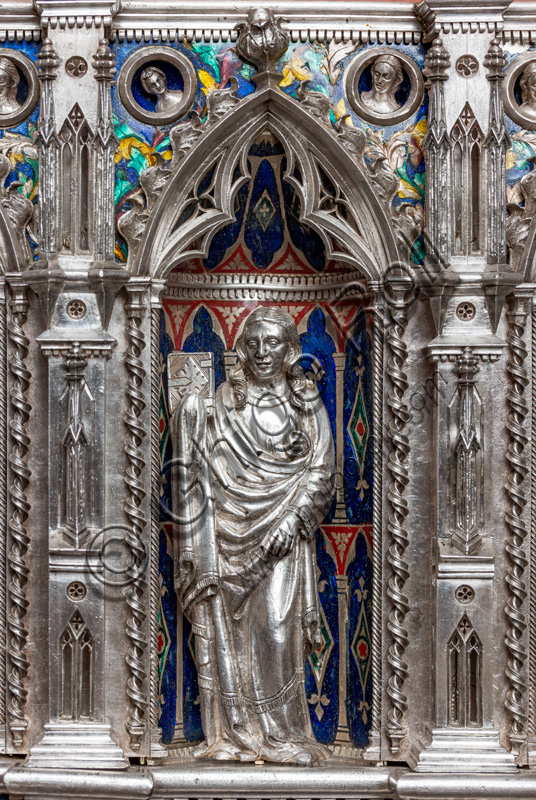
{"x": 295, "y": 375}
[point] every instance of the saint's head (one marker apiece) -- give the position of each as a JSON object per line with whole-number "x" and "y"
{"x": 387, "y": 75}
{"x": 153, "y": 80}
{"x": 268, "y": 350}
{"x": 9, "y": 84}
{"x": 527, "y": 84}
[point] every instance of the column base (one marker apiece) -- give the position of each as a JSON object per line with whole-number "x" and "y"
{"x": 77, "y": 745}
{"x": 372, "y": 751}
{"x": 157, "y": 749}
{"x": 463, "y": 750}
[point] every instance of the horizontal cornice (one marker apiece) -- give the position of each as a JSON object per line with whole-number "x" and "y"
{"x": 316, "y": 19}
{"x": 326, "y": 20}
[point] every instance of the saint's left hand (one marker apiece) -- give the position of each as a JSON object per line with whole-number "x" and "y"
{"x": 280, "y": 540}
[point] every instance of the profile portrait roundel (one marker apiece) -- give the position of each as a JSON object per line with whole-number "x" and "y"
{"x": 19, "y": 87}
{"x": 519, "y": 90}
{"x": 157, "y": 85}
{"x": 384, "y": 86}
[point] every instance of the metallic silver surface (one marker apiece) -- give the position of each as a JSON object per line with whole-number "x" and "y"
{"x": 177, "y": 106}
{"x": 523, "y": 113}
{"x": 453, "y": 585}
{"x": 371, "y": 106}
{"x": 12, "y": 112}
{"x": 245, "y": 568}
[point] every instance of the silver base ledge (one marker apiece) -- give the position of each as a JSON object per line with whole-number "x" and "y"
{"x": 67, "y": 746}
{"x": 227, "y": 781}
{"x": 457, "y": 751}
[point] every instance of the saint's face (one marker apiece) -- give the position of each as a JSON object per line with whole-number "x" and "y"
{"x": 5, "y": 83}
{"x": 531, "y": 88}
{"x": 266, "y": 349}
{"x": 383, "y": 78}
{"x": 155, "y": 83}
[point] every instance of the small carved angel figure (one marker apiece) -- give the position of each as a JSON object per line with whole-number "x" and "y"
{"x": 9, "y": 84}
{"x": 528, "y": 90}
{"x": 254, "y": 484}
{"x": 386, "y": 76}
{"x": 154, "y": 81}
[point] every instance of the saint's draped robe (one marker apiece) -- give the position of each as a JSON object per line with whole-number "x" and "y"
{"x": 255, "y": 617}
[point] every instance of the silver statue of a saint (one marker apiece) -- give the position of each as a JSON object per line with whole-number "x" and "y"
{"x": 154, "y": 82}
{"x": 527, "y": 85}
{"x": 252, "y": 484}
{"x": 387, "y": 75}
{"x": 9, "y": 84}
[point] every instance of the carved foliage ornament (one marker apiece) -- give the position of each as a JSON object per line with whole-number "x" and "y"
{"x": 182, "y": 137}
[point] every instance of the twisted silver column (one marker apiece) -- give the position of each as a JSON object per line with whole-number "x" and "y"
{"x": 135, "y": 593}
{"x": 377, "y": 415}
{"x": 18, "y": 569}
{"x": 532, "y": 607}
{"x": 155, "y": 501}
{"x": 515, "y": 545}
{"x": 397, "y": 465}
{"x": 3, "y": 501}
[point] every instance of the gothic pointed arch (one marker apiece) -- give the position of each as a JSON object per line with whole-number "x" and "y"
{"x": 335, "y": 195}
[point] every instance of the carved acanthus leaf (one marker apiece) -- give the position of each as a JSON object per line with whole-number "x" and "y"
{"x": 521, "y": 214}
{"x": 352, "y": 138}
{"x": 18, "y": 209}
{"x": 153, "y": 180}
{"x": 316, "y": 103}
{"x": 408, "y": 220}
{"x": 183, "y": 136}
{"x": 132, "y": 224}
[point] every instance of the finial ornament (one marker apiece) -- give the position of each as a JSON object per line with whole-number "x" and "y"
{"x": 261, "y": 41}
{"x": 437, "y": 62}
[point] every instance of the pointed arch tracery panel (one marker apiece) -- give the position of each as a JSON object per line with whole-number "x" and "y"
{"x": 335, "y": 197}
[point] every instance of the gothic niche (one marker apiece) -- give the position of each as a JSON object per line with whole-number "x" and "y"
{"x": 464, "y": 676}
{"x": 76, "y": 145}
{"x": 77, "y": 671}
{"x": 267, "y": 257}
{"x": 467, "y": 139}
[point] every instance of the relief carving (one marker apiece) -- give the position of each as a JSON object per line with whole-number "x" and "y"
{"x": 467, "y": 459}
{"x": 386, "y": 73}
{"x": 245, "y": 533}
{"x": 261, "y": 41}
{"x": 9, "y": 84}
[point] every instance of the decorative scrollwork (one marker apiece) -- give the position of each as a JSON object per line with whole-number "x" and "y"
{"x": 515, "y": 546}
{"x": 398, "y": 468}
{"x": 136, "y": 492}
{"x": 18, "y": 635}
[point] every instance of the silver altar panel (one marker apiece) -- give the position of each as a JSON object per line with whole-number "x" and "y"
{"x": 119, "y": 201}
